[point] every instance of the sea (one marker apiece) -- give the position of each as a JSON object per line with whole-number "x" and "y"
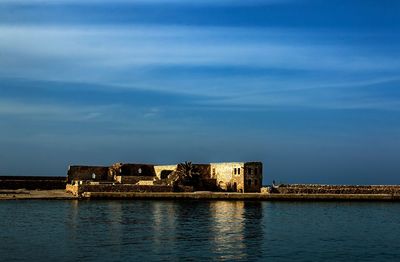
{"x": 194, "y": 230}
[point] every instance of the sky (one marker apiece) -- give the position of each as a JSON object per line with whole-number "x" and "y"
{"x": 309, "y": 87}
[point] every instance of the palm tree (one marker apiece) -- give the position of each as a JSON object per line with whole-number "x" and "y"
{"x": 185, "y": 174}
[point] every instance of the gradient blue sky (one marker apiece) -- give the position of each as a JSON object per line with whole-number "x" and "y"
{"x": 309, "y": 87}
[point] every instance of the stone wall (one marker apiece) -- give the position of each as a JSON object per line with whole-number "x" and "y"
{"x": 32, "y": 182}
{"x": 253, "y": 176}
{"x": 238, "y": 176}
{"x": 159, "y": 169}
{"x": 137, "y": 170}
{"x": 204, "y": 170}
{"x": 86, "y": 173}
{"x": 227, "y": 179}
{"x": 79, "y": 189}
{"x": 73, "y": 189}
{"x": 132, "y": 179}
{"x": 208, "y": 185}
{"x": 145, "y": 182}
{"x": 337, "y": 189}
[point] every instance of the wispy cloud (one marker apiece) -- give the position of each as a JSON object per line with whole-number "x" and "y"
{"x": 145, "y": 46}
{"x": 53, "y": 111}
{"x": 164, "y": 2}
{"x": 130, "y": 57}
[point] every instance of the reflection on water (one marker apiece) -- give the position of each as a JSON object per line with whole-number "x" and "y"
{"x": 182, "y": 230}
{"x": 198, "y": 230}
{"x": 237, "y": 228}
{"x": 228, "y": 229}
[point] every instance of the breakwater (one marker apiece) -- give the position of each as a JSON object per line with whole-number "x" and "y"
{"x": 336, "y": 189}
{"x": 242, "y": 196}
{"x": 62, "y": 195}
{"x": 54, "y": 188}
{"x": 32, "y": 182}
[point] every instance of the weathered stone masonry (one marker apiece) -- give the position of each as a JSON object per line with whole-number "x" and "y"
{"x": 238, "y": 176}
{"x": 336, "y": 189}
{"x": 232, "y": 177}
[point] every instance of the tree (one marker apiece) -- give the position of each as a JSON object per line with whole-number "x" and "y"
{"x": 185, "y": 174}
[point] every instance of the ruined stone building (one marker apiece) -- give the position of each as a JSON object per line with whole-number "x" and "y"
{"x": 238, "y": 176}
{"x": 87, "y": 173}
{"x": 132, "y": 173}
{"x": 231, "y": 177}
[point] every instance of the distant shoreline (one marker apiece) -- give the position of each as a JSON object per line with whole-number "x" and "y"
{"x": 62, "y": 195}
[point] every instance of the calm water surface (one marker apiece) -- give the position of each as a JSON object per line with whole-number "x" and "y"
{"x": 194, "y": 230}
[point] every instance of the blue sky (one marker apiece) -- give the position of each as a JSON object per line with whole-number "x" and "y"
{"x": 309, "y": 87}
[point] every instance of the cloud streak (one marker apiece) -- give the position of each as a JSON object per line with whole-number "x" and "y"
{"x": 149, "y": 2}
{"x": 147, "y": 46}
{"x": 131, "y": 58}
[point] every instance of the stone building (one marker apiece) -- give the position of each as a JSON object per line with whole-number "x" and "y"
{"x": 132, "y": 173}
{"x": 163, "y": 171}
{"x": 230, "y": 176}
{"x": 87, "y": 173}
{"x": 116, "y": 178}
{"x": 238, "y": 176}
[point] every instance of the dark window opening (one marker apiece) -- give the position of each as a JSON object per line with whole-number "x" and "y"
{"x": 239, "y": 171}
{"x": 165, "y": 173}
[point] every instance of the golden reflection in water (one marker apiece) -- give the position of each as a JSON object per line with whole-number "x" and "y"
{"x": 169, "y": 225}
{"x": 73, "y": 219}
{"x": 163, "y": 218}
{"x": 228, "y": 228}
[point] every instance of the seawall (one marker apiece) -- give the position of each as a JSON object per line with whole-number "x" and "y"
{"x": 206, "y": 196}
{"x": 242, "y": 196}
{"x": 32, "y": 182}
{"x": 336, "y": 189}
